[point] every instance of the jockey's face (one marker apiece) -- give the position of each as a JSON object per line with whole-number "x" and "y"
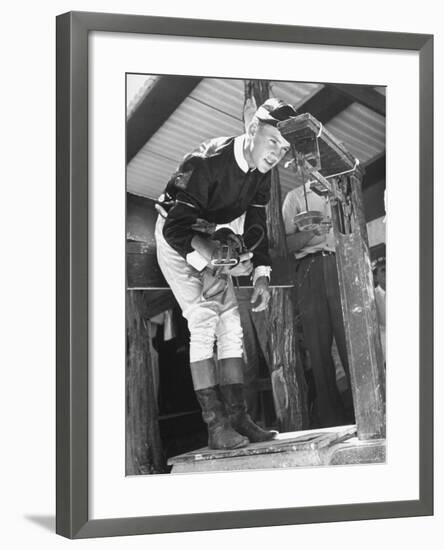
{"x": 266, "y": 147}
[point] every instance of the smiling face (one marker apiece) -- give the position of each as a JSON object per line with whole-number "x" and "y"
{"x": 265, "y": 146}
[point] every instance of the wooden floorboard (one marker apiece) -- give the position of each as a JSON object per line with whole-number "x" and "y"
{"x": 293, "y": 449}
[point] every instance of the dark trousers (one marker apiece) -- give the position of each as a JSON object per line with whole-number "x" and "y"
{"x": 319, "y": 304}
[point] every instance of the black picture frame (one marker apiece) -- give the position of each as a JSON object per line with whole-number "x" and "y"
{"x": 72, "y": 518}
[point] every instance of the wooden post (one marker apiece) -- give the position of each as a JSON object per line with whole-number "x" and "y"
{"x": 277, "y": 326}
{"x": 143, "y": 445}
{"x": 287, "y": 377}
{"x": 354, "y": 268}
{"x": 360, "y": 320}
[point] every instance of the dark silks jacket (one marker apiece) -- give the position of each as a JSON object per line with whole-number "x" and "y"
{"x": 209, "y": 184}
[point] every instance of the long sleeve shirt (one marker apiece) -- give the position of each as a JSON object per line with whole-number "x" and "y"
{"x": 215, "y": 183}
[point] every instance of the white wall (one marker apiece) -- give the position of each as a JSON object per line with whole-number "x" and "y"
{"x": 27, "y": 287}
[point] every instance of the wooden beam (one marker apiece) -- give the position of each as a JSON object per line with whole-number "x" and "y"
{"x": 365, "y": 358}
{"x": 374, "y": 171}
{"x": 158, "y": 105}
{"x": 366, "y": 95}
{"x": 326, "y": 104}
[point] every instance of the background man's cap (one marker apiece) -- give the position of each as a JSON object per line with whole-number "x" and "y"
{"x": 274, "y": 111}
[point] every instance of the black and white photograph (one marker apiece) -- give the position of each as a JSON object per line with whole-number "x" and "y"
{"x": 205, "y": 205}
{"x": 255, "y": 274}
{"x": 227, "y": 233}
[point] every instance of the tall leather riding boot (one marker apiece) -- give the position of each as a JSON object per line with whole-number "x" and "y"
{"x": 232, "y": 390}
{"x": 221, "y": 435}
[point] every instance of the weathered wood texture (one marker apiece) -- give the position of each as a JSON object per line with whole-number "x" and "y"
{"x": 355, "y": 451}
{"x": 290, "y": 450}
{"x": 143, "y": 445}
{"x": 141, "y": 262}
{"x": 360, "y": 319}
{"x": 354, "y": 271}
{"x": 276, "y": 328}
{"x": 252, "y": 351}
{"x": 283, "y": 262}
{"x": 141, "y": 267}
{"x": 287, "y": 377}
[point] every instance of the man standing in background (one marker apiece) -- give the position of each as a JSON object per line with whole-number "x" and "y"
{"x": 318, "y": 298}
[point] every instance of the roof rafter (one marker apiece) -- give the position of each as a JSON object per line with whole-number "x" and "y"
{"x": 374, "y": 171}
{"x": 167, "y": 93}
{"x": 365, "y": 95}
{"x": 325, "y": 104}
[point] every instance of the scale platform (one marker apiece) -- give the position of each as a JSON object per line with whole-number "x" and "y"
{"x": 308, "y": 448}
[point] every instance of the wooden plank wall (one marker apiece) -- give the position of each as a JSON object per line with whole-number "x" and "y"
{"x": 142, "y": 267}
{"x": 144, "y": 454}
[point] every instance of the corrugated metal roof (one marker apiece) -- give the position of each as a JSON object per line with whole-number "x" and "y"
{"x": 294, "y": 93}
{"x": 137, "y": 86}
{"x": 362, "y": 130}
{"x": 215, "y": 108}
{"x": 223, "y": 95}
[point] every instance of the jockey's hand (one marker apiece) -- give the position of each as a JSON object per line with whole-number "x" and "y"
{"x": 261, "y": 290}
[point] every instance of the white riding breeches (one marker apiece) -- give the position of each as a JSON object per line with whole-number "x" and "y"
{"x": 208, "y": 320}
